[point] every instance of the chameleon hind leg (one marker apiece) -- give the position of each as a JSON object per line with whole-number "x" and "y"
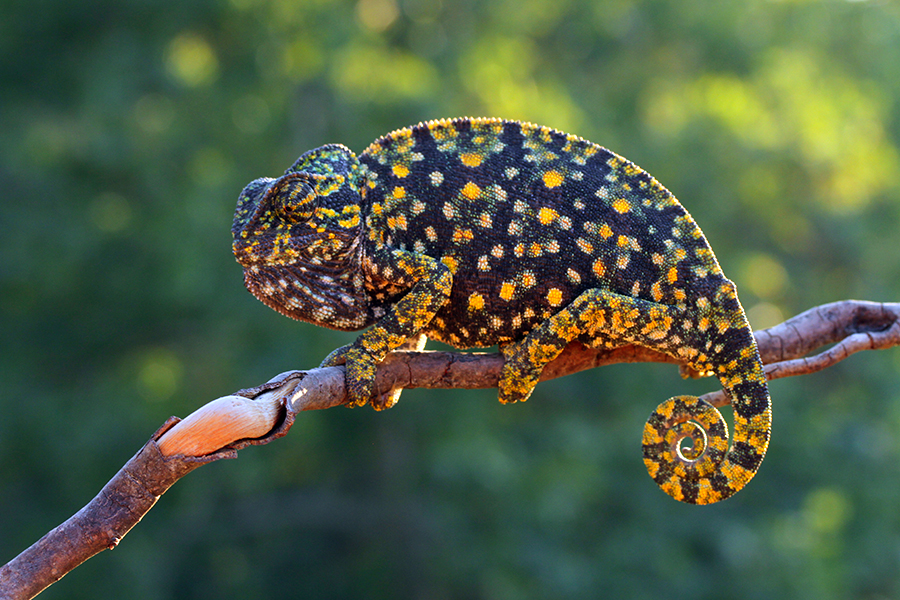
{"x": 705, "y": 472}
{"x": 598, "y": 316}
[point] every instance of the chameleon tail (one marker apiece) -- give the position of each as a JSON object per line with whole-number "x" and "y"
{"x": 708, "y": 471}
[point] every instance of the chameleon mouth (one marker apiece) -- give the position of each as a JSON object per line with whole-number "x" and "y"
{"x": 301, "y": 244}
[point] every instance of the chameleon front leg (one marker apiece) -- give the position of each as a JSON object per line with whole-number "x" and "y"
{"x": 430, "y": 281}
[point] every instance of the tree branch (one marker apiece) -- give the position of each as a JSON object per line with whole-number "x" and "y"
{"x": 259, "y": 415}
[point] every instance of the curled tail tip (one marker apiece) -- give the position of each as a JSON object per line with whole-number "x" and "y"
{"x": 706, "y": 471}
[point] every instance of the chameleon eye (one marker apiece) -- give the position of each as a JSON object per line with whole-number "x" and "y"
{"x": 292, "y": 198}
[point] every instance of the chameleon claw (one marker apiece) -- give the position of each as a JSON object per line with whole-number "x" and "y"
{"x": 336, "y": 357}
{"x": 517, "y": 381}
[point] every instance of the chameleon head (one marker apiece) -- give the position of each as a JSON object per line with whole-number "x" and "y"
{"x": 300, "y": 254}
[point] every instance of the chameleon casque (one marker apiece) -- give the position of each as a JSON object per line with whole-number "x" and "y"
{"x": 478, "y": 232}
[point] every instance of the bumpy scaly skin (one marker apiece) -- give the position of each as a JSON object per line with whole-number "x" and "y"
{"x": 478, "y": 232}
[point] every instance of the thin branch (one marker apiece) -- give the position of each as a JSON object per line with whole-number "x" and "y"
{"x": 265, "y": 413}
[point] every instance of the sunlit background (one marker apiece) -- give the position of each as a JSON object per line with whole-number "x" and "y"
{"x": 127, "y": 130}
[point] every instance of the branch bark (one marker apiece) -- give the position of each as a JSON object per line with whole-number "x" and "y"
{"x": 262, "y": 414}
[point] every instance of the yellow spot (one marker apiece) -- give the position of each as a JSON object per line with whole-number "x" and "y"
{"x": 528, "y": 279}
{"x": 470, "y": 159}
{"x": 546, "y": 215}
{"x": 471, "y": 191}
{"x": 507, "y": 290}
{"x": 599, "y": 267}
{"x": 553, "y": 179}
{"x": 442, "y": 130}
{"x": 656, "y": 291}
{"x": 353, "y": 221}
{"x": 605, "y": 231}
{"x": 476, "y": 301}
{"x": 554, "y": 297}
{"x": 451, "y": 263}
{"x": 399, "y": 192}
{"x": 485, "y": 220}
{"x": 431, "y": 233}
{"x": 621, "y": 205}
{"x": 463, "y": 235}
{"x": 534, "y": 250}
{"x": 672, "y": 275}
{"x": 400, "y": 170}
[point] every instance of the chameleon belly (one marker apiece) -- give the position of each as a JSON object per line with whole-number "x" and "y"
{"x": 482, "y": 231}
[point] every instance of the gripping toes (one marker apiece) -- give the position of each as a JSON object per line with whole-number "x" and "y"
{"x": 360, "y": 373}
{"x": 519, "y": 375}
{"x": 360, "y": 377}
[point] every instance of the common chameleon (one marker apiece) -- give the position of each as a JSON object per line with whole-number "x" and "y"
{"x": 478, "y": 232}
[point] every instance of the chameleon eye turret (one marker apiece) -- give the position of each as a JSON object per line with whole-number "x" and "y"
{"x": 292, "y": 198}
{"x": 478, "y": 232}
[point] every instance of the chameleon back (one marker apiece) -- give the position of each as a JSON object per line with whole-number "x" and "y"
{"x": 528, "y": 218}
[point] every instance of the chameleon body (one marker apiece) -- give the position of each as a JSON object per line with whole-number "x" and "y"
{"x": 478, "y": 232}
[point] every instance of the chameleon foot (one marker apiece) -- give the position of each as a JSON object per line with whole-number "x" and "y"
{"x": 360, "y": 375}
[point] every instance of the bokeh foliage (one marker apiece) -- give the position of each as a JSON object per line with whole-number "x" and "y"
{"x": 127, "y": 130}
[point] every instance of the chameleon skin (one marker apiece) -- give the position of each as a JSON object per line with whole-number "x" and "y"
{"x": 478, "y": 232}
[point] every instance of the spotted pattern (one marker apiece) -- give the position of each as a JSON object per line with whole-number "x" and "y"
{"x": 478, "y": 232}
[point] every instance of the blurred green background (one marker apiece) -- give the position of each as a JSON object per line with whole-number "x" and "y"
{"x": 127, "y": 130}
